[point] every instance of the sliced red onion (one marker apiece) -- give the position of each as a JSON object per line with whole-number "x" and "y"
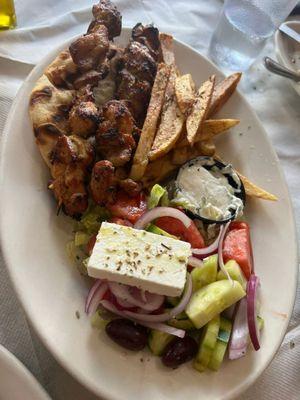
{"x": 212, "y": 248}
{"x": 91, "y": 293}
{"x": 252, "y": 287}
{"x": 158, "y": 212}
{"x": 195, "y": 262}
{"x": 164, "y": 328}
{"x": 160, "y": 327}
{"x": 98, "y": 291}
{"x": 220, "y": 252}
{"x": 239, "y": 336}
{"x": 143, "y": 296}
{"x": 168, "y": 315}
{"x": 125, "y": 293}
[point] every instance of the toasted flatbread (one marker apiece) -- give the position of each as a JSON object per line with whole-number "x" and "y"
{"x": 210, "y": 128}
{"x": 49, "y": 105}
{"x": 185, "y": 93}
{"x": 140, "y": 159}
{"x": 166, "y": 42}
{"x": 200, "y": 109}
{"x": 222, "y": 92}
{"x": 61, "y": 69}
{"x": 171, "y": 122}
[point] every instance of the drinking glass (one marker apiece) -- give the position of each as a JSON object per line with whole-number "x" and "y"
{"x": 243, "y": 28}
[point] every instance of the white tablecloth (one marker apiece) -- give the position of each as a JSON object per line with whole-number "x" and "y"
{"x": 44, "y": 24}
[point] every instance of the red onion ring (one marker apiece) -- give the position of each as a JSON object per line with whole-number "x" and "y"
{"x": 168, "y": 315}
{"x": 252, "y": 287}
{"x": 212, "y": 248}
{"x": 91, "y": 294}
{"x": 220, "y": 252}
{"x": 124, "y": 293}
{"x": 195, "y": 262}
{"x": 160, "y": 327}
{"x": 95, "y": 296}
{"x": 239, "y": 336}
{"x": 158, "y": 212}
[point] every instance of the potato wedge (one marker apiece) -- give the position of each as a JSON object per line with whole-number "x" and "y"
{"x": 140, "y": 159}
{"x": 200, "y": 109}
{"x": 210, "y": 128}
{"x": 158, "y": 170}
{"x": 162, "y": 168}
{"x": 253, "y": 190}
{"x": 206, "y": 147}
{"x": 171, "y": 122}
{"x": 185, "y": 93}
{"x": 166, "y": 42}
{"x": 222, "y": 92}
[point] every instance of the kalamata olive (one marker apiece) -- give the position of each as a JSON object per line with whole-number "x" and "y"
{"x": 179, "y": 351}
{"x": 127, "y": 334}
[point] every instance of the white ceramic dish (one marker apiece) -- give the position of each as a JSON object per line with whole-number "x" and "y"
{"x": 51, "y": 290}
{"x": 16, "y": 382}
{"x": 288, "y": 51}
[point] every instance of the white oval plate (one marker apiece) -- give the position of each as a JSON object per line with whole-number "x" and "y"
{"x": 51, "y": 289}
{"x": 16, "y": 382}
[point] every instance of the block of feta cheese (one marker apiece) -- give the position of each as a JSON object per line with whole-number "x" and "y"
{"x": 138, "y": 258}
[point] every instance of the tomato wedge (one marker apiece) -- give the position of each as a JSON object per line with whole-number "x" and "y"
{"x": 237, "y": 246}
{"x": 176, "y": 228}
{"x": 126, "y": 207}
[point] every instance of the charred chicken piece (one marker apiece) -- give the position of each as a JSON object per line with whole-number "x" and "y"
{"x": 90, "y": 78}
{"x": 105, "y": 13}
{"x": 114, "y": 138}
{"x": 135, "y": 79}
{"x": 84, "y": 114}
{"x": 131, "y": 187}
{"x": 90, "y": 50}
{"x": 139, "y": 62}
{"x": 103, "y": 183}
{"x": 148, "y": 35}
{"x": 83, "y": 119}
{"x": 70, "y": 159}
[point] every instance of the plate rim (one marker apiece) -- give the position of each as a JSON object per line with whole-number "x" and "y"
{"x": 74, "y": 372}
{"x": 11, "y": 361}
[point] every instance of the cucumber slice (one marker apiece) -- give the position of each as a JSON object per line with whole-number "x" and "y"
{"x": 205, "y": 275}
{"x": 212, "y": 299}
{"x": 221, "y": 345}
{"x": 185, "y": 324}
{"x": 81, "y": 238}
{"x": 207, "y": 344}
{"x": 155, "y": 229}
{"x": 235, "y": 272}
{"x": 157, "y": 341}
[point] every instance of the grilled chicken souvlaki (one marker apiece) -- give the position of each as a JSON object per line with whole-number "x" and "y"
{"x": 129, "y": 143}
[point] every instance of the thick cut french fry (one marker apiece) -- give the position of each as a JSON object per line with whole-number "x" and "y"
{"x": 206, "y": 147}
{"x": 210, "y": 128}
{"x": 140, "y": 159}
{"x": 162, "y": 168}
{"x": 253, "y": 190}
{"x": 185, "y": 93}
{"x": 222, "y": 92}
{"x": 200, "y": 109}
{"x": 171, "y": 122}
{"x": 166, "y": 42}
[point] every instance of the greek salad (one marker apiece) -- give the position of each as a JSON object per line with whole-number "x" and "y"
{"x": 172, "y": 269}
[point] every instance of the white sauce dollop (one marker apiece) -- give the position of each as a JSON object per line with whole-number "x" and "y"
{"x": 207, "y": 193}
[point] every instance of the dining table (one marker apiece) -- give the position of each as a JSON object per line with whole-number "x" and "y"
{"x": 41, "y": 26}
